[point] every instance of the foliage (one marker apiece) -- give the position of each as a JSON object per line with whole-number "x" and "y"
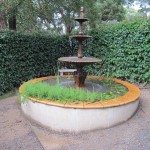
{"x": 8, "y": 11}
{"x": 57, "y": 16}
{"x": 44, "y": 91}
{"x": 124, "y": 49}
{"x": 26, "y": 56}
{"x": 112, "y": 9}
{"x": 142, "y": 10}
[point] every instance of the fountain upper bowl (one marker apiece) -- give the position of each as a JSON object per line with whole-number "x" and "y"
{"x": 81, "y": 19}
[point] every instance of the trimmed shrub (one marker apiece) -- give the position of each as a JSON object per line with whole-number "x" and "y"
{"x": 124, "y": 49}
{"x": 26, "y": 56}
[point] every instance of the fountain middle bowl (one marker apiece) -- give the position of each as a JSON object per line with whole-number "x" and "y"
{"x": 81, "y": 37}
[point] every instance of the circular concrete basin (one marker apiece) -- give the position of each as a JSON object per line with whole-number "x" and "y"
{"x": 82, "y": 116}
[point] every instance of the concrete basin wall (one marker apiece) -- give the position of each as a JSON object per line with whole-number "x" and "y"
{"x": 77, "y": 119}
{"x": 82, "y": 116}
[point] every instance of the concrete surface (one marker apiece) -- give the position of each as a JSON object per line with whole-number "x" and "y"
{"x": 16, "y": 133}
{"x": 76, "y": 119}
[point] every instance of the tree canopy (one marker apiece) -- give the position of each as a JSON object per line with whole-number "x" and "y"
{"x": 57, "y": 15}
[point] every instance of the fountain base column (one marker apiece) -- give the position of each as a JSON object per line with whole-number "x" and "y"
{"x": 79, "y": 77}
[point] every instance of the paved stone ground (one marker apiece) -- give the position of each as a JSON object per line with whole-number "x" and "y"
{"x": 16, "y": 133}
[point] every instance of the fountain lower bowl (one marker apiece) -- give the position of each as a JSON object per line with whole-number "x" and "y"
{"x": 82, "y": 61}
{"x": 82, "y": 116}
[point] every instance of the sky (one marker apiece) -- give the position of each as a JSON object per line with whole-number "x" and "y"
{"x": 136, "y": 6}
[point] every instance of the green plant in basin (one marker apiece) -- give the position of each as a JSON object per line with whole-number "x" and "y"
{"x": 45, "y": 91}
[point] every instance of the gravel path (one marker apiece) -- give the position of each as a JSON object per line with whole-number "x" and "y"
{"x": 16, "y": 133}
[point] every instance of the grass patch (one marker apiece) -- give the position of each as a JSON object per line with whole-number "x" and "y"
{"x": 44, "y": 91}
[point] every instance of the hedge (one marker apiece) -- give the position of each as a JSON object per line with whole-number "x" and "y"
{"x": 26, "y": 56}
{"x": 123, "y": 47}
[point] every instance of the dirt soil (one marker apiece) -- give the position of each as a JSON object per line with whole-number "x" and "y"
{"x": 17, "y": 133}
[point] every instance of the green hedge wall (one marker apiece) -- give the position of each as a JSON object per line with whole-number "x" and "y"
{"x": 26, "y": 56}
{"x": 124, "y": 49}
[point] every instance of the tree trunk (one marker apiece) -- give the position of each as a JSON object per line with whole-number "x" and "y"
{"x": 12, "y": 20}
{"x": 2, "y": 21}
{"x": 68, "y": 30}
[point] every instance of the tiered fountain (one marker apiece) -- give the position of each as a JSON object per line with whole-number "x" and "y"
{"x": 80, "y": 61}
{"x": 81, "y": 116}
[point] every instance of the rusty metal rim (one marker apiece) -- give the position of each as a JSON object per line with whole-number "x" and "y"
{"x": 132, "y": 95}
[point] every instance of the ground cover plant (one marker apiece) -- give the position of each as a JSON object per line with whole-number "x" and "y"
{"x": 24, "y": 56}
{"x": 45, "y": 91}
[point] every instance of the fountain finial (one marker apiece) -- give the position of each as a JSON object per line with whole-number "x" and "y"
{"x": 81, "y": 12}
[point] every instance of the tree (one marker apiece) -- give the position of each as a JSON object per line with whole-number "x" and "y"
{"x": 60, "y": 14}
{"x": 144, "y": 7}
{"x": 106, "y": 10}
{"x": 2, "y": 21}
{"x": 57, "y": 15}
{"x": 8, "y": 12}
{"x": 2, "y": 16}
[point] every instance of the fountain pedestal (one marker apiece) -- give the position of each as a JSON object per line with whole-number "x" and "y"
{"x": 80, "y": 61}
{"x": 79, "y": 77}
{"x": 80, "y": 74}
